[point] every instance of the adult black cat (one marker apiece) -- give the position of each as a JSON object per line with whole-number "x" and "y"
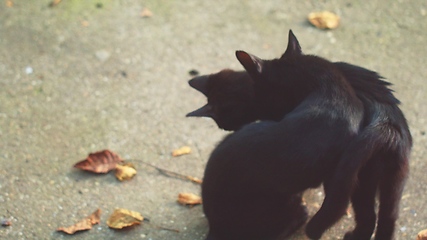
{"x": 384, "y": 143}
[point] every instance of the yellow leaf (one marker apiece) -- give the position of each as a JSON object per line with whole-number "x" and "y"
{"x": 324, "y": 20}
{"x": 189, "y": 199}
{"x": 122, "y": 218}
{"x": 181, "y": 151}
{"x": 422, "y": 235}
{"x": 125, "y": 172}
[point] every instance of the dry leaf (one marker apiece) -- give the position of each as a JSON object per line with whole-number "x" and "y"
{"x": 146, "y": 13}
{"x": 422, "y": 235}
{"x": 122, "y": 218}
{"x": 181, "y": 151}
{"x": 189, "y": 199}
{"x": 84, "y": 224}
{"x": 54, "y": 3}
{"x": 125, "y": 172}
{"x": 9, "y": 3}
{"x": 99, "y": 162}
{"x": 324, "y": 20}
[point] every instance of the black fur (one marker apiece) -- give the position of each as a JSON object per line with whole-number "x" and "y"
{"x": 370, "y": 153}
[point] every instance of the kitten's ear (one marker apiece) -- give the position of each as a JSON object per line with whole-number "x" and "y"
{"x": 200, "y": 83}
{"x": 251, "y": 63}
{"x": 293, "y": 46}
{"x": 205, "y": 111}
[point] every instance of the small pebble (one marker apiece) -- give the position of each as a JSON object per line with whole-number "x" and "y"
{"x": 5, "y": 222}
{"x": 102, "y": 55}
{"x": 193, "y": 72}
{"x": 29, "y": 70}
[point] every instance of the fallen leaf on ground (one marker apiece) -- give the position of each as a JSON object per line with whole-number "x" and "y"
{"x": 125, "y": 172}
{"x": 146, "y": 13}
{"x": 122, "y": 218}
{"x": 422, "y": 235}
{"x": 54, "y": 3}
{"x": 99, "y": 162}
{"x": 189, "y": 199}
{"x": 324, "y": 20}
{"x": 84, "y": 224}
{"x": 9, "y": 3}
{"x": 181, "y": 151}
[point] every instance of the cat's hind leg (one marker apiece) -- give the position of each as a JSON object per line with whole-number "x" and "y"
{"x": 363, "y": 202}
{"x": 391, "y": 187}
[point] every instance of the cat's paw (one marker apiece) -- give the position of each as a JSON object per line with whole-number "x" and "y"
{"x": 349, "y": 236}
{"x": 352, "y": 235}
{"x": 312, "y": 231}
{"x": 300, "y": 217}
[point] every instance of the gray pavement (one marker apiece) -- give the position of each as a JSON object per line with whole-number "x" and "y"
{"x": 89, "y": 75}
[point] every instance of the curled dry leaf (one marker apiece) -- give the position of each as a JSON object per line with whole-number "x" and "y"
{"x": 122, "y": 218}
{"x": 84, "y": 224}
{"x": 181, "y": 151}
{"x": 99, "y": 162}
{"x": 422, "y": 235}
{"x": 125, "y": 171}
{"x": 189, "y": 199}
{"x": 324, "y": 20}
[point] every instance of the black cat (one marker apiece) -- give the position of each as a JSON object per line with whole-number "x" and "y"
{"x": 383, "y": 144}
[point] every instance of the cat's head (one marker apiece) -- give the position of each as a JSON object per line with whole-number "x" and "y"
{"x": 276, "y": 81}
{"x": 230, "y": 96}
{"x": 264, "y": 92}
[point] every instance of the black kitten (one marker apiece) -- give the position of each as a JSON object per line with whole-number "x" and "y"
{"x": 253, "y": 169}
{"x": 385, "y": 135}
{"x": 231, "y": 100}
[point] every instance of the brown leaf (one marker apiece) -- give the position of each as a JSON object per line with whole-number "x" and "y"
{"x": 122, "y": 218}
{"x": 125, "y": 172}
{"x": 9, "y": 3}
{"x": 146, "y": 13}
{"x": 324, "y": 20}
{"x": 84, "y": 224}
{"x": 189, "y": 199}
{"x": 95, "y": 217}
{"x": 99, "y": 162}
{"x": 181, "y": 151}
{"x": 54, "y": 3}
{"x": 422, "y": 235}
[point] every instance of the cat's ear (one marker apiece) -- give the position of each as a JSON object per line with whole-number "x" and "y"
{"x": 293, "y": 46}
{"x": 200, "y": 83}
{"x": 251, "y": 63}
{"x": 205, "y": 111}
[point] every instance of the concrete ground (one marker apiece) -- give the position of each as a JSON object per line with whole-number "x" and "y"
{"x": 89, "y": 75}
